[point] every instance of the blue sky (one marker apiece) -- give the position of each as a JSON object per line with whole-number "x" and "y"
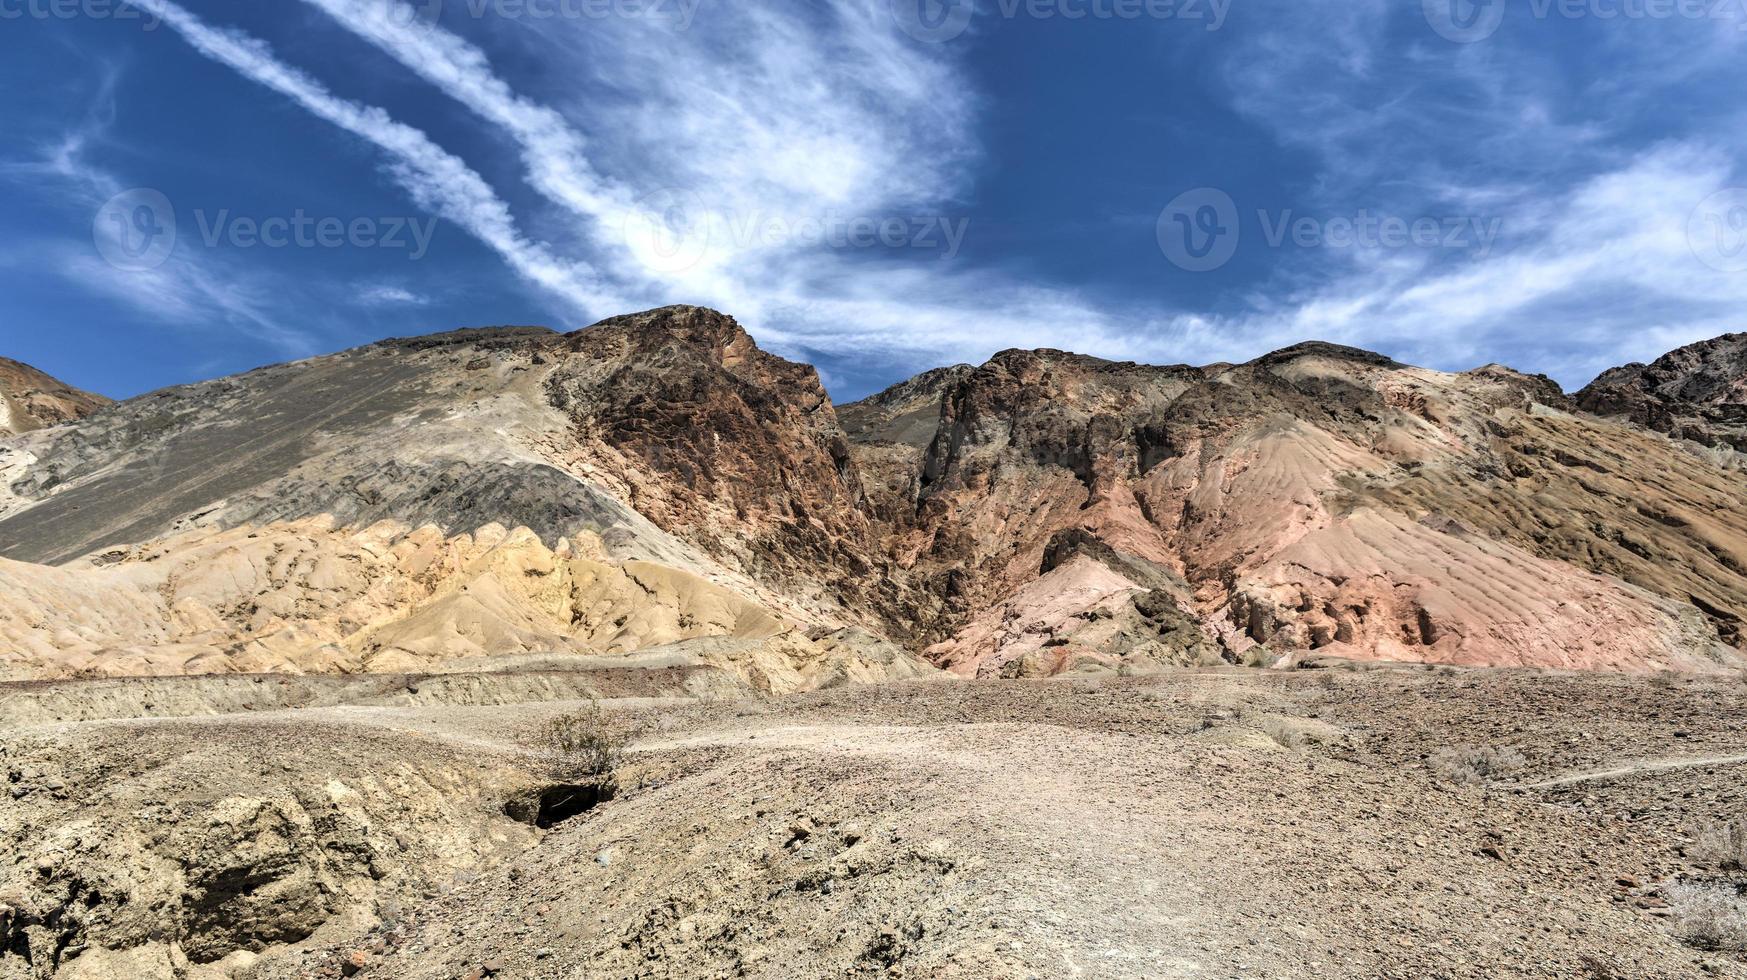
{"x": 875, "y": 186}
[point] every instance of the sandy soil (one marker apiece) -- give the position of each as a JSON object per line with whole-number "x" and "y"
{"x": 1223, "y": 823}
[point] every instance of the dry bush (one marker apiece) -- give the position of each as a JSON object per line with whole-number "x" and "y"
{"x": 1477, "y": 766}
{"x": 1709, "y": 917}
{"x": 1723, "y": 844}
{"x": 1284, "y": 734}
{"x": 584, "y": 747}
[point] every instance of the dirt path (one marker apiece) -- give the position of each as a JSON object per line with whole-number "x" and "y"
{"x": 1640, "y": 768}
{"x": 1189, "y": 827}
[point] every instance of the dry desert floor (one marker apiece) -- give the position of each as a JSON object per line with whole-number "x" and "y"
{"x": 1393, "y": 822}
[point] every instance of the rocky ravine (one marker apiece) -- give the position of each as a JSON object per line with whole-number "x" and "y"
{"x": 512, "y": 491}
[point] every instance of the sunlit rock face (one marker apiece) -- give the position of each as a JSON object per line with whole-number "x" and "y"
{"x": 657, "y": 479}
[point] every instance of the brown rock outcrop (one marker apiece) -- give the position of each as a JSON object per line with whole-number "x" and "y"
{"x": 711, "y": 438}
{"x": 1318, "y": 498}
{"x": 1697, "y": 393}
{"x": 30, "y": 399}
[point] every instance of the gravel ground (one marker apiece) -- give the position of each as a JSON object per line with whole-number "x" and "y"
{"x": 1401, "y": 823}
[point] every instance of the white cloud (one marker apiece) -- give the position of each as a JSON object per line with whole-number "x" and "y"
{"x": 383, "y": 294}
{"x": 799, "y": 114}
{"x": 1604, "y": 274}
{"x": 190, "y": 287}
{"x": 783, "y": 113}
{"x": 436, "y": 179}
{"x": 1594, "y": 267}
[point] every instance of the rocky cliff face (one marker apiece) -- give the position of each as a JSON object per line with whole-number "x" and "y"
{"x": 1697, "y": 393}
{"x": 1317, "y": 500}
{"x": 736, "y": 450}
{"x": 30, "y": 399}
{"x": 1040, "y": 513}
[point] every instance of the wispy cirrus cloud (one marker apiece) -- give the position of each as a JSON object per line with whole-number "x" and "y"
{"x": 189, "y": 288}
{"x": 668, "y": 155}
{"x": 799, "y": 112}
{"x": 1595, "y": 265}
{"x": 385, "y": 294}
{"x": 793, "y": 116}
{"x": 436, "y": 179}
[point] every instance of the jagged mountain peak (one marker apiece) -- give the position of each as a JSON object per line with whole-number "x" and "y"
{"x": 928, "y": 383}
{"x": 1326, "y": 350}
{"x": 1696, "y": 393}
{"x": 483, "y": 337}
{"x": 697, "y": 328}
{"x": 1020, "y": 358}
{"x": 1708, "y": 371}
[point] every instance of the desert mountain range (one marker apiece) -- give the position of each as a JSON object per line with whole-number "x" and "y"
{"x": 656, "y": 486}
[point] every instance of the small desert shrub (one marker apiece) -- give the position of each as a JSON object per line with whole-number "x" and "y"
{"x": 585, "y": 747}
{"x": 1724, "y": 845}
{"x": 1284, "y": 734}
{"x": 1477, "y": 766}
{"x": 1709, "y": 917}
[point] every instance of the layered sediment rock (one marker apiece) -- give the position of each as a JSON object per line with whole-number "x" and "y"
{"x": 1039, "y": 513}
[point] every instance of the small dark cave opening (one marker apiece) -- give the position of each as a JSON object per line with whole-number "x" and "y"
{"x": 549, "y": 806}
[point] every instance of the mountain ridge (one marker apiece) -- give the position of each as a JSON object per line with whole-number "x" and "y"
{"x": 1040, "y": 513}
{"x": 1696, "y": 393}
